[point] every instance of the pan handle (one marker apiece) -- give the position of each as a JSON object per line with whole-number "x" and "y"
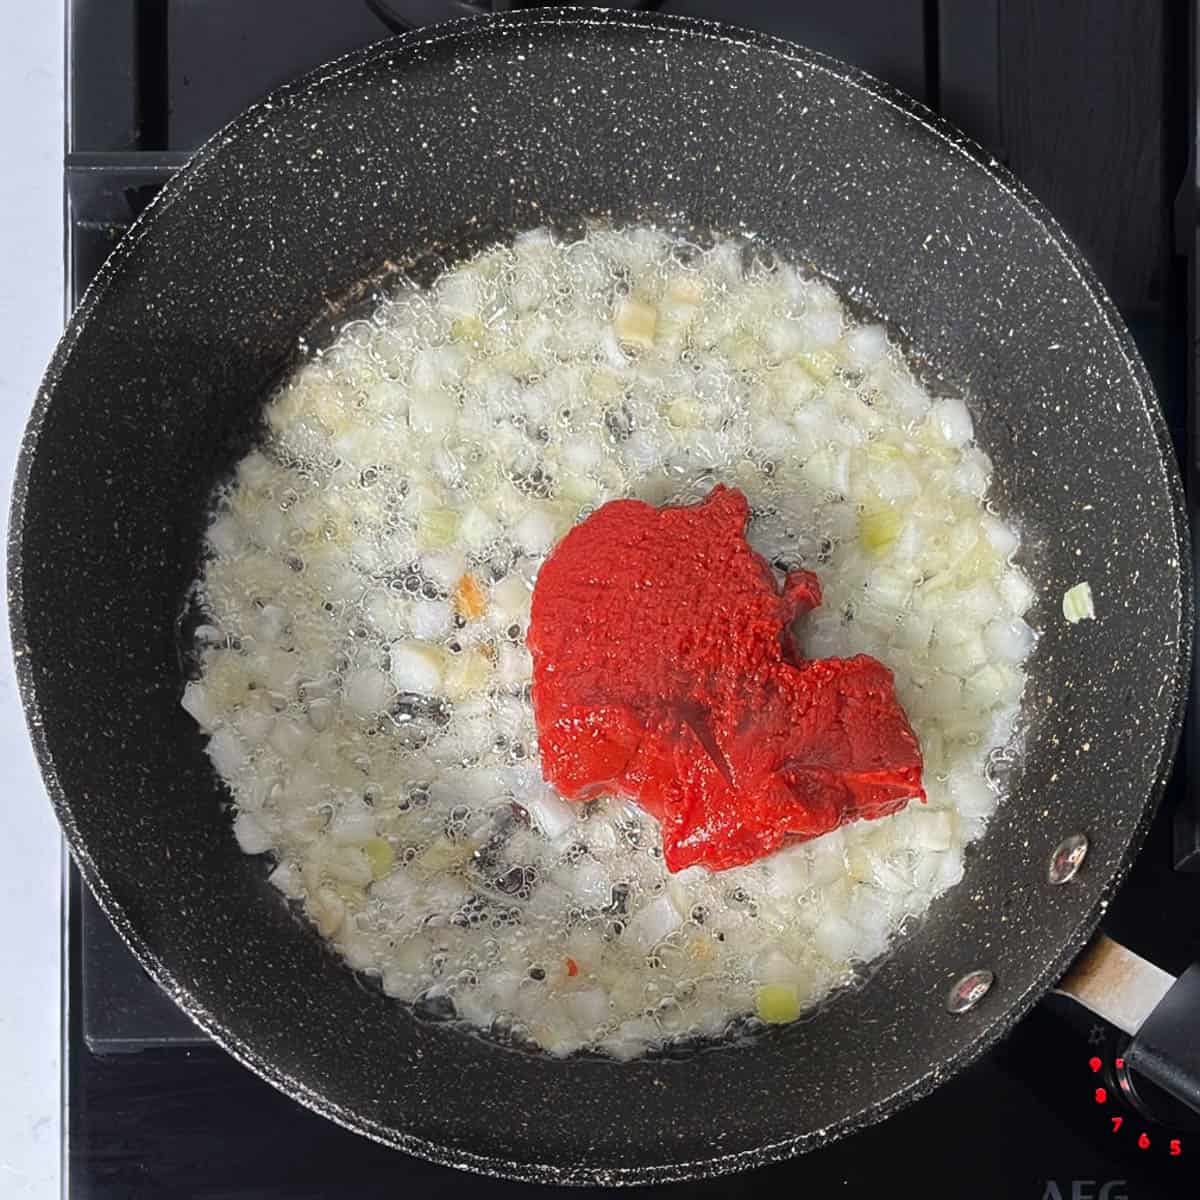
{"x": 1159, "y": 1012}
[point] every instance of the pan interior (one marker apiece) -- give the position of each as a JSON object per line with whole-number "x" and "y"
{"x": 436, "y": 145}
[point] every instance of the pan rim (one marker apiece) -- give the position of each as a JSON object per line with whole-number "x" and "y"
{"x": 683, "y": 28}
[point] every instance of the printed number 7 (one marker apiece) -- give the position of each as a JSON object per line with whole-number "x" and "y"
{"x": 1117, "y": 1122}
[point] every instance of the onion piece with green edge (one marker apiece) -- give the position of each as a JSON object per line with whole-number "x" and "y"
{"x": 1077, "y": 603}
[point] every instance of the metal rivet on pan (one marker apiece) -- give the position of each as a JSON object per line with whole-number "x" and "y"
{"x": 1067, "y": 858}
{"x": 968, "y": 991}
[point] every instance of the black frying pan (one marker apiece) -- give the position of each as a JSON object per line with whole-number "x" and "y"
{"x": 442, "y": 142}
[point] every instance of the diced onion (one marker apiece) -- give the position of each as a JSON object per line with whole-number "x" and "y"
{"x": 353, "y": 824}
{"x": 466, "y": 673}
{"x": 367, "y": 691}
{"x": 821, "y": 327}
{"x": 933, "y": 830}
{"x": 252, "y": 838}
{"x": 652, "y": 923}
{"x": 635, "y": 323}
{"x": 777, "y": 1003}
{"x": 430, "y": 413}
{"x": 548, "y": 811}
{"x": 1002, "y": 538}
{"x": 588, "y": 1007}
{"x": 226, "y": 752}
{"x": 1017, "y": 593}
{"x": 952, "y": 420}
{"x": 444, "y": 569}
{"x": 477, "y": 529}
{"x": 287, "y": 879}
{"x": 1010, "y": 641}
{"x": 536, "y": 532}
{"x": 416, "y": 667}
{"x": 866, "y": 345}
{"x": 429, "y": 619}
{"x": 197, "y": 704}
{"x": 1077, "y": 603}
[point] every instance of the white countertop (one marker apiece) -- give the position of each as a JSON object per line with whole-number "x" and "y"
{"x": 31, "y": 313}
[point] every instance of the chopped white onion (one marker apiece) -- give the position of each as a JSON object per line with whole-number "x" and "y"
{"x": 198, "y": 705}
{"x": 866, "y": 346}
{"x": 582, "y": 455}
{"x": 367, "y": 691}
{"x": 1010, "y": 641}
{"x": 821, "y": 327}
{"x": 287, "y": 879}
{"x": 477, "y": 529}
{"x": 437, "y": 366}
{"x": 515, "y": 666}
{"x": 251, "y": 836}
{"x": 536, "y": 532}
{"x": 430, "y": 620}
{"x": 290, "y": 737}
{"x": 589, "y": 882}
{"x": 932, "y": 830}
{"x": 416, "y": 667}
{"x": 444, "y": 569}
{"x": 353, "y": 823}
{"x": 835, "y": 938}
{"x": 972, "y": 793}
{"x": 652, "y": 923}
{"x": 828, "y": 857}
{"x": 227, "y": 753}
{"x": 460, "y": 431}
{"x": 910, "y": 402}
{"x": 1001, "y": 537}
{"x": 460, "y": 293}
{"x": 1017, "y": 592}
{"x": 430, "y": 413}
{"x": 588, "y": 1007}
{"x": 952, "y": 420}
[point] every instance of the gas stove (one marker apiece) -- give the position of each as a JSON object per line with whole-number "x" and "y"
{"x": 1094, "y": 107}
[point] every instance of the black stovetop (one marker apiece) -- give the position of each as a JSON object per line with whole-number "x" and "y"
{"x": 1093, "y": 105}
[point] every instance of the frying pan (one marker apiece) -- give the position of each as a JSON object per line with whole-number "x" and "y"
{"x": 428, "y": 147}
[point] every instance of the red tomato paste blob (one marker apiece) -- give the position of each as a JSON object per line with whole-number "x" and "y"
{"x": 664, "y": 669}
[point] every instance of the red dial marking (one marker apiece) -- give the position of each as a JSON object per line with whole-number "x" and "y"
{"x": 1095, "y": 1064}
{"x": 1120, "y": 1064}
{"x": 1117, "y": 1122}
{"x": 1101, "y": 1096}
{"x": 1143, "y": 1141}
{"x": 1176, "y": 1147}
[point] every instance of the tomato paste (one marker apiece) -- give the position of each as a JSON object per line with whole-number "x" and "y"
{"x": 664, "y": 669}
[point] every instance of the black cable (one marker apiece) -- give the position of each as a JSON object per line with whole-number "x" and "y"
{"x": 402, "y": 15}
{"x": 933, "y": 55}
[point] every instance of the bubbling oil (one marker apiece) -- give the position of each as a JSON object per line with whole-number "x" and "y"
{"x": 363, "y": 677}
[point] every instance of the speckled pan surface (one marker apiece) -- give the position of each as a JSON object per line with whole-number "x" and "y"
{"x": 449, "y": 139}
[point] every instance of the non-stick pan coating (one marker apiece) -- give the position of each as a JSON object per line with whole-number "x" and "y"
{"x": 450, "y": 139}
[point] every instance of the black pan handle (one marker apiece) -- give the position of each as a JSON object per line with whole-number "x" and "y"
{"x": 1160, "y": 1013}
